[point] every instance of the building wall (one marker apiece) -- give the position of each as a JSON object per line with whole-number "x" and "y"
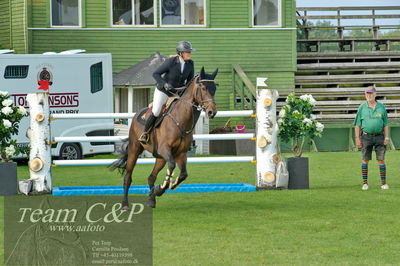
{"x": 13, "y": 23}
{"x": 5, "y": 37}
{"x": 19, "y": 34}
{"x": 228, "y": 39}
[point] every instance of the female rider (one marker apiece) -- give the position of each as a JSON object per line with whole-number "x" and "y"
{"x": 175, "y": 72}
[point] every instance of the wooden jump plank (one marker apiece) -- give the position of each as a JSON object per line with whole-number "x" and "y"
{"x": 334, "y": 55}
{"x": 344, "y": 27}
{"x": 347, "y": 79}
{"x": 348, "y": 8}
{"x": 348, "y": 116}
{"x": 378, "y": 66}
{"x": 312, "y": 17}
{"x": 349, "y": 103}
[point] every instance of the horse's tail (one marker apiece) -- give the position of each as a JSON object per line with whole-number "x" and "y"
{"x": 120, "y": 164}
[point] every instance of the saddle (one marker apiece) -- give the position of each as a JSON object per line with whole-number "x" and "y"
{"x": 146, "y": 112}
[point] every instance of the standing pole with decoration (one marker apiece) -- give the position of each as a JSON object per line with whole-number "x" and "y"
{"x": 40, "y": 143}
{"x": 267, "y": 130}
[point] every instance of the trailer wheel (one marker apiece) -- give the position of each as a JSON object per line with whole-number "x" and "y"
{"x": 70, "y": 151}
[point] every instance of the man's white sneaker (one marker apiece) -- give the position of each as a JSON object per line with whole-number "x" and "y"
{"x": 365, "y": 187}
{"x": 385, "y": 186}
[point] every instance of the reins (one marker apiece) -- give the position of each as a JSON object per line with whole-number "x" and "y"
{"x": 193, "y": 105}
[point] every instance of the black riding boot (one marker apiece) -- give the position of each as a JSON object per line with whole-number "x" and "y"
{"x": 144, "y": 138}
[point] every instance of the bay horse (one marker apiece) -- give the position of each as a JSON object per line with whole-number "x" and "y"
{"x": 171, "y": 140}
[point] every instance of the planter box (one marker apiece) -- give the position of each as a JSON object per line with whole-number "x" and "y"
{"x": 8, "y": 178}
{"x": 298, "y": 173}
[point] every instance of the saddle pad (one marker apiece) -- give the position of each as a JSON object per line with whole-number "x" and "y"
{"x": 145, "y": 112}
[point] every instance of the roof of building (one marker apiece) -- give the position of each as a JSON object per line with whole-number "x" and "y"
{"x": 140, "y": 74}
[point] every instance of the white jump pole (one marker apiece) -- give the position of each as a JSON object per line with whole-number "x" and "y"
{"x": 40, "y": 143}
{"x": 267, "y": 136}
{"x": 228, "y": 159}
{"x": 243, "y": 113}
{"x": 124, "y": 138}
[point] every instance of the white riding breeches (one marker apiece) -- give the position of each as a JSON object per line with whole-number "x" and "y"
{"x": 159, "y": 99}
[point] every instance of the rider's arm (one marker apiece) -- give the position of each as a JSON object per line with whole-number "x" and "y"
{"x": 191, "y": 73}
{"x": 162, "y": 69}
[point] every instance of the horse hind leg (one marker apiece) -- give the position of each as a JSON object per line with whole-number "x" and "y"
{"x": 181, "y": 161}
{"x": 160, "y": 163}
{"x": 134, "y": 150}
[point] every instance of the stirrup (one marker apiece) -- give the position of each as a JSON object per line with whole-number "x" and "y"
{"x": 144, "y": 138}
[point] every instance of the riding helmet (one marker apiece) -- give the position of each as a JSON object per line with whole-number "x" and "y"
{"x": 184, "y": 46}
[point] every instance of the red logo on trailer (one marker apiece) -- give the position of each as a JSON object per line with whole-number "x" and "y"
{"x": 45, "y": 78}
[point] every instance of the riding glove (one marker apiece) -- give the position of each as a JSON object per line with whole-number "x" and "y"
{"x": 168, "y": 86}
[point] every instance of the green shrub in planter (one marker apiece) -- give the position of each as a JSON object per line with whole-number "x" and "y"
{"x": 297, "y": 123}
{"x": 10, "y": 117}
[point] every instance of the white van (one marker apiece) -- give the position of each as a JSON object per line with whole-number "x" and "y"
{"x": 78, "y": 83}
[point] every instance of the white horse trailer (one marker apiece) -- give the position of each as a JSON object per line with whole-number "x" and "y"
{"x": 78, "y": 83}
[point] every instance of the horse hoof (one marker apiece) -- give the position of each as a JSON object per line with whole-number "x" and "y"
{"x": 151, "y": 203}
{"x": 125, "y": 208}
{"x": 158, "y": 191}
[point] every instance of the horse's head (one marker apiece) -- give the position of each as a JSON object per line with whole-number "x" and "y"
{"x": 205, "y": 88}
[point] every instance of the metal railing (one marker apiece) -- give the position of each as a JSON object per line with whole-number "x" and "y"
{"x": 348, "y": 20}
{"x": 348, "y": 28}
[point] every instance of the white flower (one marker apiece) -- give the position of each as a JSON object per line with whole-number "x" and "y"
{"x": 7, "y": 102}
{"x": 7, "y": 110}
{"x": 320, "y": 127}
{"x": 280, "y": 121}
{"x": 309, "y": 98}
{"x": 21, "y": 110}
{"x": 307, "y": 121}
{"x": 313, "y": 117}
{"x": 296, "y": 112}
{"x": 7, "y": 123}
{"x": 10, "y": 150}
{"x": 282, "y": 113}
{"x": 3, "y": 93}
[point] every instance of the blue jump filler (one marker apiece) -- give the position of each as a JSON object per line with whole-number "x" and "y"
{"x": 144, "y": 189}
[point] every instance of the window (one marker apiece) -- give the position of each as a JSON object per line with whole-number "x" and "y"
{"x": 132, "y": 12}
{"x": 96, "y": 77}
{"x": 182, "y": 12}
{"x": 266, "y": 12}
{"x": 66, "y": 13}
{"x": 16, "y": 72}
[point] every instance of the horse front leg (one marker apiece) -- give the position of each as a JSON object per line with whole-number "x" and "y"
{"x": 134, "y": 150}
{"x": 181, "y": 160}
{"x": 167, "y": 155}
{"x": 160, "y": 163}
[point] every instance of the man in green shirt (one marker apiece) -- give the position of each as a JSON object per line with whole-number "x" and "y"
{"x": 371, "y": 131}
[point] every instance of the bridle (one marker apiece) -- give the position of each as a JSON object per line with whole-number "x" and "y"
{"x": 200, "y": 107}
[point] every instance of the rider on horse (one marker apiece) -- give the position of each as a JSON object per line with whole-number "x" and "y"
{"x": 175, "y": 72}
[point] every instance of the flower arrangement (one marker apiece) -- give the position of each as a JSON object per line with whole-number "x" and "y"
{"x": 10, "y": 117}
{"x": 296, "y": 122}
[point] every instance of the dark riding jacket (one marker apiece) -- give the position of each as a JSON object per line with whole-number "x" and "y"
{"x": 170, "y": 72}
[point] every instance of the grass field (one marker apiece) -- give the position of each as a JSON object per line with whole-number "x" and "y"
{"x": 332, "y": 223}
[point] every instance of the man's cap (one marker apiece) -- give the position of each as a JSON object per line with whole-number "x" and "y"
{"x": 370, "y": 89}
